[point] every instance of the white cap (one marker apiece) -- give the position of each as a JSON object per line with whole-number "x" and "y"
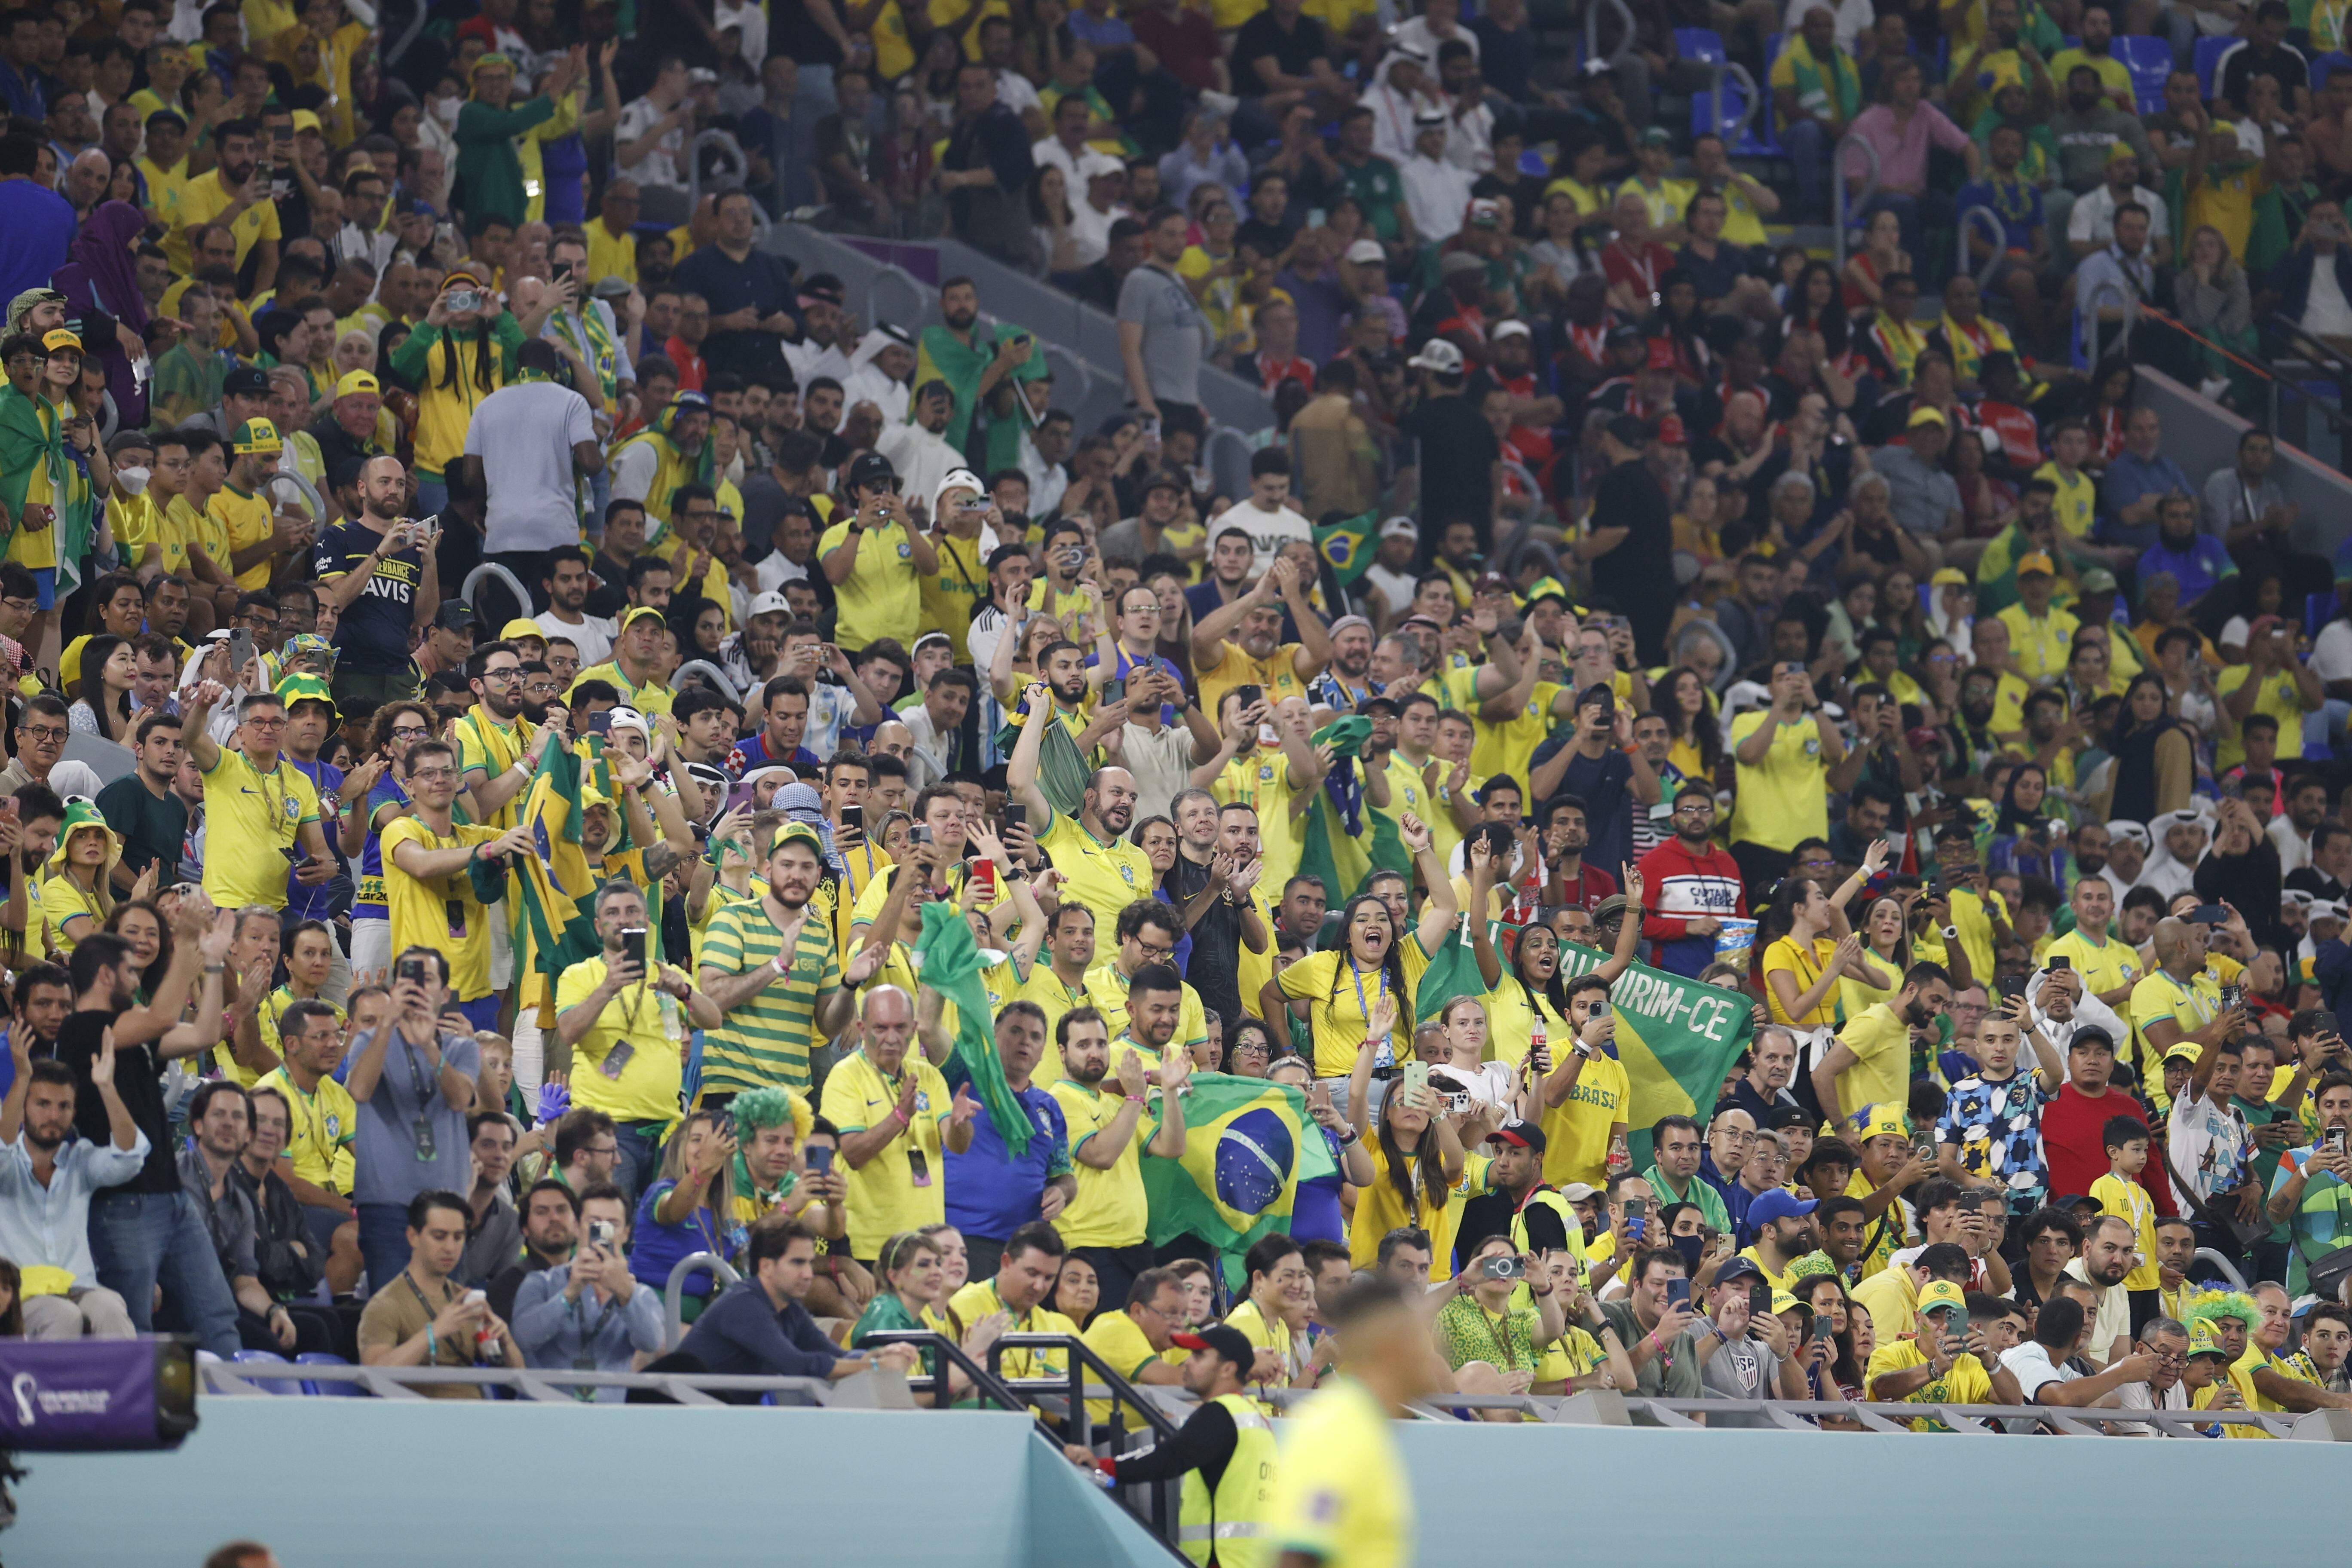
{"x": 1502, "y": 330}
{"x": 1439, "y": 355}
{"x": 1746, "y": 694}
{"x": 1400, "y": 528}
{"x": 957, "y": 479}
{"x": 770, "y": 604}
{"x": 630, "y": 718}
{"x": 1095, "y": 164}
{"x": 1365, "y": 252}
{"x": 2328, "y": 910}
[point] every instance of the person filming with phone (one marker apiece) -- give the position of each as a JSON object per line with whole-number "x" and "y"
{"x": 626, "y": 1024}
{"x": 378, "y": 570}
{"x": 589, "y": 1314}
{"x": 413, "y": 1080}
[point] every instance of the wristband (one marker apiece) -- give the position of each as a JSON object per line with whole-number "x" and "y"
{"x": 1951, "y": 933}
{"x": 1135, "y": 1100}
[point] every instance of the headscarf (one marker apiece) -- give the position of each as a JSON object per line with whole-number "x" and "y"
{"x": 99, "y": 277}
{"x": 2013, "y": 818}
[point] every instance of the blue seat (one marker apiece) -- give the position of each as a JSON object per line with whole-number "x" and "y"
{"x": 1532, "y": 163}
{"x": 2317, "y": 611}
{"x": 263, "y": 1358}
{"x": 1710, "y": 118}
{"x": 327, "y": 1388}
{"x": 1700, "y": 46}
{"x": 2209, "y": 55}
{"x": 2326, "y": 66}
{"x": 2150, "y": 61}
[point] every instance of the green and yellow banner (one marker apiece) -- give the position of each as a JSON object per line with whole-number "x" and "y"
{"x": 1676, "y": 1039}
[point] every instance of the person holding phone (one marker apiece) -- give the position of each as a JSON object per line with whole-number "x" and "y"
{"x": 589, "y": 1314}
{"x": 432, "y": 890}
{"x": 1947, "y": 1362}
{"x": 624, "y": 1022}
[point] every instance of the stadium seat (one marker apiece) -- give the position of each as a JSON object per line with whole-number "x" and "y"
{"x": 1700, "y": 46}
{"x": 2150, "y": 61}
{"x": 263, "y": 1358}
{"x": 327, "y": 1388}
{"x": 1532, "y": 163}
{"x": 2208, "y": 56}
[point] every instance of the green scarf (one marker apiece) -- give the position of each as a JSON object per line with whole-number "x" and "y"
{"x": 951, "y": 966}
{"x": 1813, "y": 97}
{"x": 604, "y": 355}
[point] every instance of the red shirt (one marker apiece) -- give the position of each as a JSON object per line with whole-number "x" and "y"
{"x": 1184, "y": 40}
{"x": 1587, "y": 888}
{"x": 690, "y": 368}
{"x": 2073, "y": 1144}
{"x": 1645, "y": 274}
{"x": 2021, "y": 438}
{"x": 1271, "y": 372}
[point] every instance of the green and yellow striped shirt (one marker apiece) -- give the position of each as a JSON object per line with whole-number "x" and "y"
{"x": 766, "y": 1038}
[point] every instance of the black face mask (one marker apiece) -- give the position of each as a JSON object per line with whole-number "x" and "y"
{"x": 1688, "y": 1246}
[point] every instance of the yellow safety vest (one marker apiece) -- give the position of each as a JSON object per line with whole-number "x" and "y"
{"x": 1231, "y": 1527}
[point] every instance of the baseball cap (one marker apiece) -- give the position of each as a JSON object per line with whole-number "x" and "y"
{"x": 2098, "y": 579}
{"x": 929, "y": 637}
{"x": 1576, "y": 1192}
{"x": 1739, "y": 1268}
{"x": 246, "y": 382}
{"x": 1225, "y": 1341}
{"x": 1670, "y": 430}
{"x": 1438, "y": 355}
{"x": 871, "y": 468}
{"x": 1657, "y": 136}
{"x": 639, "y": 614}
{"x": 2204, "y": 1340}
{"x": 1662, "y": 354}
{"x": 1401, "y": 528}
{"x": 1609, "y": 908}
{"x": 1509, "y": 329}
{"x": 1939, "y": 1295}
{"x": 1485, "y": 212}
{"x": 1782, "y": 1301}
{"x": 2036, "y": 561}
{"x": 1948, "y": 577}
{"x": 521, "y": 627}
{"x": 1455, "y": 263}
{"x": 1163, "y": 480}
{"x": 1926, "y": 416}
{"x": 255, "y": 436}
{"x": 455, "y": 616}
{"x": 1521, "y": 1134}
{"x": 769, "y": 604}
{"x": 1366, "y": 252}
{"x": 358, "y": 381}
{"x": 1777, "y": 1202}
{"x": 59, "y": 338}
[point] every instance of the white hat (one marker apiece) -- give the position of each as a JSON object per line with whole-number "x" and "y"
{"x": 769, "y": 604}
{"x": 957, "y": 479}
{"x": 2328, "y": 910}
{"x": 1365, "y": 252}
{"x": 1429, "y": 119}
{"x": 1509, "y": 329}
{"x": 1439, "y": 355}
{"x": 2295, "y": 899}
{"x": 1094, "y": 164}
{"x": 630, "y": 718}
{"x": 1400, "y": 528}
{"x": 2124, "y": 828}
{"x": 1746, "y": 694}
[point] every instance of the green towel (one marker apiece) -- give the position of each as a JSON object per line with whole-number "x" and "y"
{"x": 949, "y": 964}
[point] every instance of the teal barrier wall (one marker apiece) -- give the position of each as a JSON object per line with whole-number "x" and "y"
{"x": 395, "y": 1483}
{"x": 374, "y": 1483}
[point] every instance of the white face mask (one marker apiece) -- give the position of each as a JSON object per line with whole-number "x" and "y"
{"x": 445, "y": 110}
{"x": 132, "y": 481}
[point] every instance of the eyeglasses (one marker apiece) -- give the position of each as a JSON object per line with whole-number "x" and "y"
{"x": 1154, "y": 952}
{"x": 46, "y": 732}
{"x": 27, "y": 605}
{"x": 505, "y": 673}
{"x": 432, "y": 775}
{"x": 410, "y": 732}
{"x": 277, "y": 723}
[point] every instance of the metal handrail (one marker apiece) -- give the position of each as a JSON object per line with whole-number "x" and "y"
{"x": 415, "y": 29}
{"x": 1840, "y": 202}
{"x": 493, "y": 569}
{"x": 2221, "y": 1261}
{"x": 1221, "y": 438}
{"x": 1731, "y": 139}
{"x": 725, "y": 141}
{"x": 1056, "y": 359}
{"x": 2000, "y": 232}
{"x": 1083, "y": 1365}
{"x": 2089, "y": 311}
{"x": 722, "y": 1274}
{"x": 1592, "y": 31}
{"x": 984, "y": 1380}
{"x": 544, "y": 1385}
{"x": 305, "y": 492}
{"x": 716, "y": 678}
{"x": 897, "y": 275}
{"x": 2321, "y": 356}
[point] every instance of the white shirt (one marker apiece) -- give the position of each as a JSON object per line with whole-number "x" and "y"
{"x": 1395, "y": 587}
{"x": 49, "y": 1226}
{"x": 750, "y": 15}
{"x": 2208, "y": 1145}
{"x": 1049, "y": 150}
{"x": 929, "y": 764}
{"x": 1161, "y": 761}
{"x": 921, "y": 458}
{"x": 1437, "y": 193}
{"x": 2114, "y": 1318}
{"x": 1016, "y": 92}
{"x": 1470, "y": 139}
{"x": 1090, "y": 229}
{"x": 2293, "y": 848}
{"x": 1268, "y": 531}
{"x": 524, "y": 434}
{"x": 2028, "y": 1362}
{"x": 659, "y": 167}
{"x": 2331, "y": 652}
{"x": 1855, "y": 18}
{"x": 632, "y": 469}
{"x": 2325, "y": 312}
{"x": 591, "y": 635}
{"x": 1392, "y": 111}
{"x": 1415, "y": 35}
{"x": 2093, "y": 219}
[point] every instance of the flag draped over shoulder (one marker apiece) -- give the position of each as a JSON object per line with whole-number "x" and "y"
{"x": 26, "y": 443}
{"x": 1327, "y": 848}
{"x": 1675, "y": 1037}
{"x": 1346, "y": 545}
{"x": 556, "y": 913}
{"x": 1248, "y": 1145}
{"x": 1453, "y": 973}
{"x": 947, "y": 960}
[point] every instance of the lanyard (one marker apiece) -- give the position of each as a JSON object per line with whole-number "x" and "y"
{"x": 1358, "y": 976}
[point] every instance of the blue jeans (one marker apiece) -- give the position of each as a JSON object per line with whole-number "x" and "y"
{"x": 640, "y": 1160}
{"x": 138, "y": 1239}
{"x": 383, "y": 1242}
{"x": 2325, "y": 727}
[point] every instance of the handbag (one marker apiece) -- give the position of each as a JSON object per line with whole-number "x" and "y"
{"x": 2242, "y": 1235}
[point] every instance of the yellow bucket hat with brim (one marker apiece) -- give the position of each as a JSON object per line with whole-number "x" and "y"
{"x": 82, "y": 816}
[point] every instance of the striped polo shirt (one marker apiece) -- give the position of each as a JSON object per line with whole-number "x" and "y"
{"x": 766, "y": 1038}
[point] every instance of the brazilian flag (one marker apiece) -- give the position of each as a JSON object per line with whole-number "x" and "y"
{"x": 1675, "y": 1037}
{"x": 1346, "y": 545}
{"x": 556, "y": 918}
{"x": 1248, "y": 1145}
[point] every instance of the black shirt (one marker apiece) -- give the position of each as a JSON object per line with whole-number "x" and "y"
{"x": 1491, "y": 1214}
{"x": 1269, "y": 239}
{"x": 1294, "y": 52}
{"x": 612, "y": 596}
{"x": 373, "y": 635}
{"x": 760, "y": 280}
{"x": 139, "y": 1079}
{"x": 1639, "y": 574}
{"x": 1458, "y": 453}
{"x": 1214, "y": 967}
{"x": 151, "y": 829}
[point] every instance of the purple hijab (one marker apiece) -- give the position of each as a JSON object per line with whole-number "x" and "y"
{"x": 99, "y": 274}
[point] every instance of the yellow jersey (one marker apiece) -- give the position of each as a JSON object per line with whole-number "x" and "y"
{"x": 1341, "y": 1494}
{"x": 251, "y": 822}
{"x": 440, "y": 912}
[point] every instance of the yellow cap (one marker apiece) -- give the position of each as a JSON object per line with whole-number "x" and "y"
{"x": 639, "y": 614}
{"x": 1784, "y": 1302}
{"x": 1937, "y": 1293}
{"x": 307, "y": 120}
{"x": 1883, "y": 1119}
{"x": 58, "y": 338}
{"x": 2037, "y": 561}
{"x": 359, "y": 381}
{"x": 2203, "y": 1341}
{"x": 1926, "y": 415}
{"x": 1948, "y": 577}
{"x": 521, "y": 627}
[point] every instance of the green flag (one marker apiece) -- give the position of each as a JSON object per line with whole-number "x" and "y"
{"x": 1346, "y": 545}
{"x": 1675, "y": 1037}
{"x": 555, "y": 916}
{"x": 1453, "y": 973}
{"x": 1248, "y": 1145}
{"x": 947, "y": 960}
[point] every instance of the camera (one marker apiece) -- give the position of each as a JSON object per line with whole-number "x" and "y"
{"x": 1504, "y": 1267}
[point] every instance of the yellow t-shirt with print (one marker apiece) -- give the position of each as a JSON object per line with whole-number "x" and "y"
{"x": 1110, "y": 1208}
{"x": 2278, "y": 696}
{"x": 2156, "y": 996}
{"x": 63, "y": 900}
{"x": 1107, "y": 993}
{"x": 440, "y": 912}
{"x": 200, "y": 530}
{"x": 1261, "y": 780}
{"x": 1575, "y": 1131}
{"x": 138, "y": 522}
{"x": 1512, "y": 1009}
{"x": 2076, "y": 504}
{"x": 1105, "y": 877}
{"x": 1967, "y": 1382}
{"x": 2130, "y": 1201}
{"x": 1341, "y": 1494}
{"x": 2104, "y": 966}
{"x": 902, "y": 1186}
{"x": 203, "y": 200}
{"x": 322, "y": 1129}
{"x": 2226, "y": 201}
{"x": 1786, "y": 957}
{"x": 951, "y": 593}
{"x": 267, "y": 1023}
{"x": 628, "y": 1064}
{"x": 1068, "y": 608}
{"x": 1343, "y": 998}
{"x": 2041, "y": 646}
{"x": 882, "y": 597}
{"x": 1506, "y": 746}
{"x": 1783, "y": 800}
{"x": 1381, "y": 1208}
{"x": 1277, "y": 673}
{"x": 251, "y": 820}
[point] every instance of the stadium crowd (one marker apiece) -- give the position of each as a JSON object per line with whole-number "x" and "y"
{"x": 868, "y": 829}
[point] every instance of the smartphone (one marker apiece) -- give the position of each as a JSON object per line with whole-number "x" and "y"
{"x": 1415, "y": 1085}
{"x": 1759, "y": 1298}
{"x": 983, "y": 877}
{"x": 632, "y": 945}
{"x": 2060, "y": 960}
{"x": 600, "y": 723}
{"x": 1115, "y": 690}
{"x": 2335, "y": 1139}
{"x": 240, "y": 653}
{"x": 922, "y": 834}
{"x": 415, "y": 969}
{"x": 1016, "y": 815}
{"x": 2210, "y": 915}
{"x": 600, "y": 1232}
{"x": 1971, "y": 1202}
{"x": 853, "y": 818}
{"x": 1250, "y": 696}
{"x": 1822, "y": 1328}
{"x": 1677, "y": 1292}
{"x": 1926, "y": 1149}
{"x": 1504, "y": 1267}
{"x": 820, "y": 1159}
{"x": 2232, "y": 996}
